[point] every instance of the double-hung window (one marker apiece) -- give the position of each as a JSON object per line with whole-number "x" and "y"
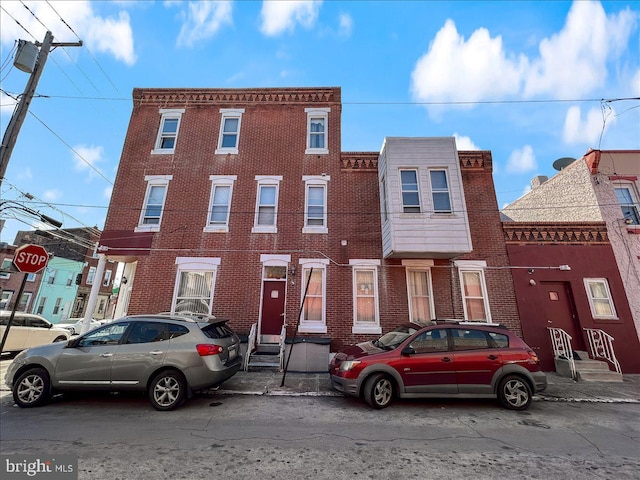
{"x": 229, "y": 137}
{"x": 91, "y": 275}
{"x": 419, "y": 288}
{"x": 107, "y": 278}
{"x": 410, "y": 191}
{"x": 56, "y": 307}
{"x": 168, "y": 131}
{"x": 314, "y": 272}
{"x": 628, "y": 203}
{"x": 315, "y": 208}
{"x": 474, "y": 290}
{"x": 52, "y": 276}
{"x": 194, "y": 286}
{"x": 440, "y": 191}
{"x": 5, "y": 269}
{"x": 317, "y": 123}
{"x": 366, "y": 317}
{"x": 600, "y": 299}
{"x": 266, "y": 215}
{"x": 153, "y": 206}
{"x": 220, "y": 203}
{"x": 41, "y": 304}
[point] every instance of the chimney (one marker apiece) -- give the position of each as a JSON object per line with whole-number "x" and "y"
{"x": 538, "y": 180}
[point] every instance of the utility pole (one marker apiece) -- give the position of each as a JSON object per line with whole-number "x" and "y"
{"x": 11, "y": 133}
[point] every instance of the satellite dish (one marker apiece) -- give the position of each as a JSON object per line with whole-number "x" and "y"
{"x": 563, "y": 162}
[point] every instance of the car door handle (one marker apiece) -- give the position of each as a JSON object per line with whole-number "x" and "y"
{"x": 492, "y": 357}
{"x": 106, "y": 354}
{"x": 446, "y": 359}
{"x": 156, "y": 352}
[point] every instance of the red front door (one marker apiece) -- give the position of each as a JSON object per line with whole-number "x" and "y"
{"x": 272, "y": 310}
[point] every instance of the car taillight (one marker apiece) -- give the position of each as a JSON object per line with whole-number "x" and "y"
{"x": 207, "y": 349}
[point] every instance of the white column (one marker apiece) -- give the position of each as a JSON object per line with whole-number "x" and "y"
{"x": 93, "y": 296}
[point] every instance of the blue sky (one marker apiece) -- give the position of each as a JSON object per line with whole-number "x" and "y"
{"x": 522, "y": 79}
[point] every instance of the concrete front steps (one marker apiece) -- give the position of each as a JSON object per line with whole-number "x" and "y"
{"x": 266, "y": 356}
{"x": 588, "y": 370}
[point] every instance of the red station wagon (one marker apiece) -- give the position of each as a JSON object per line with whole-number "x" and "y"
{"x": 444, "y": 359}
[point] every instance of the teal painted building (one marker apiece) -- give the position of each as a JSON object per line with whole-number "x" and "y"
{"x": 57, "y": 292}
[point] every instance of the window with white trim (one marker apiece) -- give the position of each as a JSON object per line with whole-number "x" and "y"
{"x": 41, "y": 304}
{"x": 628, "y": 201}
{"x": 107, "y": 278}
{"x": 600, "y": 299}
{"x": 56, "y": 307}
{"x": 52, "y": 276}
{"x": 410, "y": 191}
{"x": 474, "y": 290}
{"x": 317, "y": 122}
{"x": 220, "y": 203}
{"x": 194, "y": 286}
{"x": 154, "y": 199}
{"x": 5, "y": 299}
{"x": 315, "y": 204}
{"x": 6, "y": 268}
{"x": 440, "y": 191}
{"x": 69, "y": 279}
{"x": 31, "y": 277}
{"x": 366, "y": 315}
{"x": 168, "y": 131}
{"x": 24, "y": 302}
{"x": 420, "y": 298}
{"x": 229, "y": 137}
{"x": 313, "y": 319}
{"x": 91, "y": 275}
{"x": 266, "y": 214}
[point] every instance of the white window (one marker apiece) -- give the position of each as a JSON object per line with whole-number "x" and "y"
{"x": 52, "y": 276}
{"x": 419, "y": 288}
{"x": 474, "y": 290}
{"x": 317, "y": 122}
{"x": 366, "y": 316}
{"x": 91, "y": 275}
{"x": 194, "y": 286}
{"x": 107, "y": 278}
{"x": 69, "y": 279}
{"x": 5, "y": 268}
{"x": 5, "y": 299}
{"x": 153, "y": 206}
{"x": 168, "y": 131}
{"x": 440, "y": 191}
{"x": 56, "y": 307}
{"x": 24, "y": 302}
{"x": 315, "y": 205}
{"x": 220, "y": 203}
{"x": 266, "y": 215}
{"x": 628, "y": 201}
{"x": 31, "y": 277}
{"x": 229, "y": 130}
{"x": 600, "y": 299}
{"x": 314, "y": 309}
{"x": 41, "y": 304}
{"x": 410, "y": 191}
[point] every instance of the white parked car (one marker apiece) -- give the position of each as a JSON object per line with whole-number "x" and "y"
{"x": 74, "y": 325}
{"x": 28, "y": 331}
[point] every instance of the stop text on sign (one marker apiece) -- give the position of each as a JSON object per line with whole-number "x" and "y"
{"x": 27, "y": 258}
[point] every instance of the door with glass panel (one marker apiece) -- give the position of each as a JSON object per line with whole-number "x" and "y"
{"x": 272, "y": 317}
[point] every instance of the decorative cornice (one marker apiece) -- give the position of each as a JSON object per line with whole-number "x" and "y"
{"x": 168, "y": 97}
{"x": 475, "y": 159}
{"x": 555, "y": 233}
{"x": 360, "y": 161}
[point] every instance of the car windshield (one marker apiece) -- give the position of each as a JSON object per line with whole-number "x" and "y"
{"x": 395, "y": 337}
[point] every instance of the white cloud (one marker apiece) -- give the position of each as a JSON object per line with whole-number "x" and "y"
{"x": 203, "y": 21}
{"x": 635, "y": 84}
{"x": 522, "y": 160}
{"x": 588, "y": 130}
{"x": 112, "y": 35}
{"x": 106, "y": 193}
{"x": 26, "y": 174}
{"x": 7, "y": 105}
{"x": 455, "y": 69}
{"x": 87, "y": 157}
{"x": 52, "y": 194}
{"x": 571, "y": 63}
{"x": 465, "y": 143}
{"x": 279, "y": 16}
{"x": 346, "y": 25}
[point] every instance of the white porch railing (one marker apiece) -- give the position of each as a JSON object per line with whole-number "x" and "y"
{"x": 251, "y": 345}
{"x": 561, "y": 341}
{"x": 601, "y": 345}
{"x": 283, "y": 335}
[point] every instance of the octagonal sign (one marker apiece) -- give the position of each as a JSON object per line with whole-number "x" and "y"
{"x": 30, "y": 258}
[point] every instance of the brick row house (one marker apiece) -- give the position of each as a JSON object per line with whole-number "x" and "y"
{"x": 234, "y": 202}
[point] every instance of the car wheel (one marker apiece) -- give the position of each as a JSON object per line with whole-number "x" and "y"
{"x": 167, "y": 390}
{"x": 514, "y": 393}
{"x": 32, "y": 388}
{"x": 59, "y": 339}
{"x": 378, "y": 391}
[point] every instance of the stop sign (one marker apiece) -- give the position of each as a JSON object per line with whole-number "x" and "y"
{"x": 30, "y": 258}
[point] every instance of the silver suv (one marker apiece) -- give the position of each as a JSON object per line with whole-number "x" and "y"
{"x": 166, "y": 356}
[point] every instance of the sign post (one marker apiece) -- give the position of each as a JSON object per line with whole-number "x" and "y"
{"x": 27, "y": 259}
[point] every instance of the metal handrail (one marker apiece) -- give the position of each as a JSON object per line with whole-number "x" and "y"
{"x": 283, "y": 336}
{"x": 601, "y": 345}
{"x": 562, "y": 347}
{"x": 251, "y": 345}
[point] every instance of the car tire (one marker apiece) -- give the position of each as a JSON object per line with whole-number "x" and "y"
{"x": 514, "y": 393}
{"x": 32, "y": 388}
{"x": 167, "y": 390}
{"x": 59, "y": 339}
{"x": 378, "y": 391}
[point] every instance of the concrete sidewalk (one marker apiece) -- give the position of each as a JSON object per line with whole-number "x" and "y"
{"x": 560, "y": 389}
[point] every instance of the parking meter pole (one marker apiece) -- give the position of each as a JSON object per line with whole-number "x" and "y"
{"x": 13, "y": 312}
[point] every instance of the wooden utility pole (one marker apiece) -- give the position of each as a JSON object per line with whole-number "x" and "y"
{"x": 11, "y": 133}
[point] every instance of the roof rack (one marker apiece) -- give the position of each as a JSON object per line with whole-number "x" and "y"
{"x": 445, "y": 321}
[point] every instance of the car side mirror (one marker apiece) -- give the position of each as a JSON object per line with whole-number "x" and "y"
{"x": 408, "y": 351}
{"x": 73, "y": 343}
